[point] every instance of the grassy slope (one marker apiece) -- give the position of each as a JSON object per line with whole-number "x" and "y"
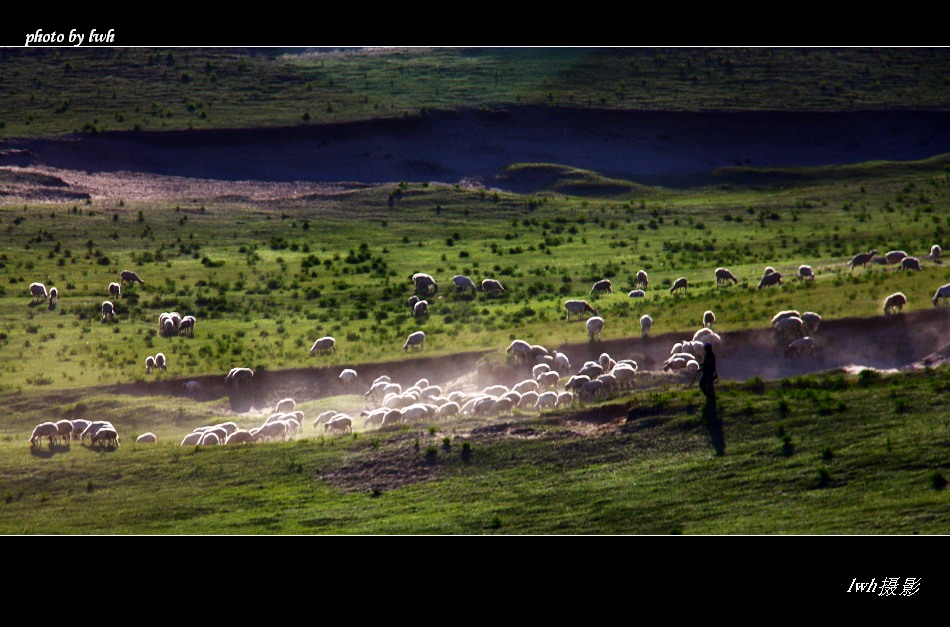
{"x": 54, "y": 91}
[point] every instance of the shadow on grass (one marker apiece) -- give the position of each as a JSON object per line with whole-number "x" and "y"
{"x": 714, "y": 425}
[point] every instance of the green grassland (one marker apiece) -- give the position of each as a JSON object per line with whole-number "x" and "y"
{"x": 52, "y": 91}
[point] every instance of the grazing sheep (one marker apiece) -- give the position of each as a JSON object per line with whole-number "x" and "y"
{"x": 285, "y": 405}
{"x": 708, "y": 318}
{"x": 425, "y": 284}
{"x": 894, "y": 256}
{"x": 161, "y": 362}
{"x": 942, "y": 292}
{"x": 862, "y": 259}
{"x": 562, "y": 363}
{"x": 800, "y": 346}
{"x": 115, "y": 290}
{"x": 811, "y": 320}
{"x": 239, "y": 377}
{"x": 166, "y": 326}
{"x": 340, "y": 424}
{"x": 93, "y": 428}
{"x": 492, "y": 286}
{"x": 324, "y": 344}
{"x": 80, "y": 425}
{"x": 564, "y": 399}
{"x": 935, "y": 253}
{"x": 805, "y": 272}
{"x": 768, "y": 270}
{"x": 910, "y": 263}
{"x": 636, "y": 294}
{"x": 412, "y": 300}
{"x": 595, "y": 326}
{"x": 210, "y": 438}
{"x": 895, "y": 301}
{"x": 38, "y": 292}
{"x": 448, "y": 410}
{"x": 539, "y": 369}
{"x": 65, "y": 429}
{"x": 463, "y": 284}
{"x": 187, "y": 324}
{"x": 108, "y": 310}
{"x": 44, "y": 430}
{"x": 420, "y": 309}
{"x": 417, "y": 338}
{"x": 192, "y": 439}
{"x": 53, "y": 296}
{"x": 548, "y": 400}
{"x": 642, "y": 279}
{"x": 578, "y": 307}
{"x": 127, "y": 276}
{"x": 679, "y": 284}
{"x": 603, "y": 285}
{"x": 147, "y": 438}
{"x": 788, "y": 313}
{"x": 348, "y": 376}
{"x": 677, "y": 362}
{"x": 149, "y": 364}
{"x": 106, "y": 436}
{"x": 528, "y": 385}
{"x": 241, "y": 436}
{"x": 646, "y": 323}
{"x": 723, "y": 275}
{"x": 790, "y": 327}
{"x": 772, "y": 278}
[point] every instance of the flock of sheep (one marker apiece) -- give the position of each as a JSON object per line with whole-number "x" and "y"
{"x": 424, "y": 402}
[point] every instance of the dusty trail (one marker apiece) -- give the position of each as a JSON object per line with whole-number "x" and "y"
{"x": 904, "y": 341}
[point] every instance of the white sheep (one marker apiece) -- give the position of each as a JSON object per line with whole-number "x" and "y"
{"x": 115, "y": 290}
{"x": 187, "y": 324}
{"x": 679, "y": 284}
{"x": 528, "y": 385}
{"x": 539, "y": 369}
{"x": 564, "y": 399}
{"x": 94, "y": 428}
{"x": 595, "y": 326}
{"x": 161, "y": 362}
{"x": 548, "y": 400}
{"x": 127, "y": 276}
{"x": 604, "y": 285}
{"x": 894, "y": 256}
{"x": 106, "y": 436}
{"x": 348, "y": 376}
{"x": 65, "y": 430}
{"x": 191, "y": 439}
{"x": 448, "y": 410}
{"x": 723, "y": 275}
{"x": 44, "y": 430}
{"x": 341, "y": 424}
{"x": 578, "y": 307}
{"x": 147, "y": 438}
{"x": 942, "y": 292}
{"x": 412, "y": 300}
{"x": 790, "y": 327}
{"x": 420, "y": 309}
{"x": 562, "y": 363}
{"x": 416, "y": 338}
{"x": 463, "y": 284}
{"x": 772, "y": 278}
{"x": 425, "y": 284}
{"x": 811, "y": 320}
{"x": 708, "y": 318}
{"x": 38, "y": 292}
{"x": 935, "y": 253}
{"x": 646, "y": 323}
{"x": 642, "y": 279}
{"x": 285, "y": 405}
{"x": 323, "y": 345}
{"x": 862, "y": 259}
{"x": 910, "y": 263}
{"x": 53, "y": 296}
{"x": 108, "y": 310}
{"x": 549, "y": 380}
{"x": 805, "y": 272}
{"x": 79, "y": 425}
{"x": 210, "y": 438}
{"x": 239, "y": 377}
{"x": 166, "y": 326}
{"x": 241, "y": 436}
{"x": 895, "y": 301}
{"x": 636, "y": 294}
{"x": 492, "y": 286}
{"x": 149, "y": 364}
{"x": 800, "y": 346}
{"x": 787, "y": 313}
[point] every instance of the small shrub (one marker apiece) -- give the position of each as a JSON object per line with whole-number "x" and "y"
{"x": 432, "y": 454}
{"x": 495, "y": 523}
{"x": 824, "y": 477}
{"x": 446, "y": 443}
{"x": 938, "y": 481}
{"x": 827, "y": 454}
{"x": 783, "y": 408}
{"x": 466, "y": 452}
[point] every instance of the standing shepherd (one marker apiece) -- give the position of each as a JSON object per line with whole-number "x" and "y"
{"x": 708, "y": 374}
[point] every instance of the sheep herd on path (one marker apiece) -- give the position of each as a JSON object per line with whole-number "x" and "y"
{"x": 552, "y": 383}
